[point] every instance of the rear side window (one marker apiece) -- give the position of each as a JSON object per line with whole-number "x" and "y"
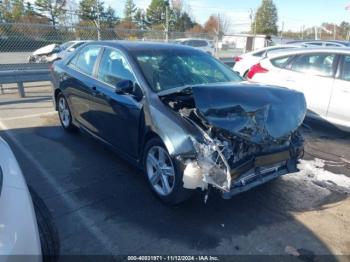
{"x": 346, "y": 69}
{"x": 280, "y": 62}
{"x": 114, "y": 67}
{"x": 315, "y": 64}
{"x": 86, "y": 59}
{"x": 260, "y": 53}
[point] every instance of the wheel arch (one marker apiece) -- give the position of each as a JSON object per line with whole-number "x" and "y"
{"x": 56, "y": 93}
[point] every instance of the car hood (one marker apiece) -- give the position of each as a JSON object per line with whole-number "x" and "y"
{"x": 45, "y": 50}
{"x": 259, "y": 114}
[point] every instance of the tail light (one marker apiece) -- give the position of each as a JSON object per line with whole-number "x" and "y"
{"x": 237, "y": 59}
{"x": 256, "y": 69}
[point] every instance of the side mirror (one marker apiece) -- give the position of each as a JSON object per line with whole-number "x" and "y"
{"x": 124, "y": 86}
{"x": 71, "y": 49}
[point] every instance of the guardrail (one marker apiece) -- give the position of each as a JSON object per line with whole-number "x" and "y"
{"x": 22, "y": 74}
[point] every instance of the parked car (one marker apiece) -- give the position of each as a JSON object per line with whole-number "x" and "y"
{"x": 322, "y": 74}
{"x": 245, "y": 61}
{"x": 25, "y": 226}
{"x": 52, "y": 52}
{"x": 180, "y": 115}
{"x": 320, "y": 43}
{"x": 201, "y": 44}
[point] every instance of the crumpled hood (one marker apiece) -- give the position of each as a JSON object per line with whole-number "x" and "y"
{"x": 45, "y": 50}
{"x": 259, "y": 114}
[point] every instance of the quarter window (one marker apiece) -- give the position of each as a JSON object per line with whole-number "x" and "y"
{"x": 315, "y": 64}
{"x": 114, "y": 67}
{"x": 86, "y": 59}
{"x": 280, "y": 62}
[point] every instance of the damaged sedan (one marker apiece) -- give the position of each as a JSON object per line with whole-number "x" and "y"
{"x": 184, "y": 118}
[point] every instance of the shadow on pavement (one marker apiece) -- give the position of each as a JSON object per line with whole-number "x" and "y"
{"x": 102, "y": 205}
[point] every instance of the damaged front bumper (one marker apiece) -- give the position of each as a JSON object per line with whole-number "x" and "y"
{"x": 212, "y": 169}
{"x": 260, "y": 172}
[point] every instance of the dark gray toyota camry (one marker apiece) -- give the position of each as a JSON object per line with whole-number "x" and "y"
{"x": 180, "y": 115}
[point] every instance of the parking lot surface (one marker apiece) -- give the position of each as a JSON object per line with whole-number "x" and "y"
{"x": 102, "y": 205}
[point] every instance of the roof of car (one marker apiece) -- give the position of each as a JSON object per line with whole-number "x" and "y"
{"x": 142, "y": 45}
{"x": 305, "y": 50}
{"x": 346, "y": 43}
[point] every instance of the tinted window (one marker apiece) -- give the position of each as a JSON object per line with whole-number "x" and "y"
{"x": 330, "y": 44}
{"x": 316, "y": 64}
{"x": 346, "y": 68}
{"x": 86, "y": 59}
{"x": 314, "y": 44}
{"x": 114, "y": 67}
{"x": 166, "y": 69}
{"x": 199, "y": 43}
{"x": 280, "y": 62}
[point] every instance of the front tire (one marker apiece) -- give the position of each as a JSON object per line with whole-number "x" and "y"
{"x": 65, "y": 114}
{"x": 164, "y": 173}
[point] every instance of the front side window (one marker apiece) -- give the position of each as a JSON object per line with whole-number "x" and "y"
{"x": 114, "y": 67}
{"x": 167, "y": 69}
{"x": 315, "y": 64}
{"x": 86, "y": 59}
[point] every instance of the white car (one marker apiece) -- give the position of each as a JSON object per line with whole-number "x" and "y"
{"x": 245, "y": 61}
{"x": 20, "y": 233}
{"x": 53, "y": 52}
{"x": 322, "y": 74}
{"x": 202, "y": 44}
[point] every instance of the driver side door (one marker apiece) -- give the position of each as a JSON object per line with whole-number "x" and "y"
{"x": 116, "y": 116}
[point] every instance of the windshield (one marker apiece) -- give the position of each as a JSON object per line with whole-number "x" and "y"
{"x": 168, "y": 69}
{"x": 64, "y": 46}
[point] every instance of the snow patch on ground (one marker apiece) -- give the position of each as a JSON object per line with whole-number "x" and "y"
{"x": 314, "y": 171}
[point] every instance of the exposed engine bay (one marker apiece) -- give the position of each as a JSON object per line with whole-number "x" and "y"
{"x": 242, "y": 136}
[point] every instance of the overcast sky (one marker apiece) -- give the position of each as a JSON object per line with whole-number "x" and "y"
{"x": 294, "y": 13}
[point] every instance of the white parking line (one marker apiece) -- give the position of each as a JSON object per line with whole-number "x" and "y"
{"x": 55, "y": 185}
{"x": 28, "y": 116}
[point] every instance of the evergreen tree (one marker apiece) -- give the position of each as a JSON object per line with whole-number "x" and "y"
{"x": 89, "y": 9}
{"x": 129, "y": 10}
{"x": 109, "y": 18}
{"x": 140, "y": 19}
{"x": 266, "y": 19}
{"x": 156, "y": 12}
{"x": 53, "y": 8}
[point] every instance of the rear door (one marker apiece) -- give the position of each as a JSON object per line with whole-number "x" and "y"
{"x": 339, "y": 108}
{"x": 312, "y": 74}
{"x": 78, "y": 84}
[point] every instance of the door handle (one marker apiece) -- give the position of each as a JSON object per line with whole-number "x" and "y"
{"x": 346, "y": 90}
{"x": 290, "y": 79}
{"x": 94, "y": 91}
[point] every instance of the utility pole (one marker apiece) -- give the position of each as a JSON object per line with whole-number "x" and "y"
{"x": 281, "y": 36}
{"x": 97, "y": 21}
{"x": 167, "y": 23}
{"x": 302, "y": 32}
{"x": 335, "y": 31}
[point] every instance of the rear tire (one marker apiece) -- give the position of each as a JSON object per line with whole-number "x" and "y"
{"x": 65, "y": 114}
{"x": 169, "y": 171}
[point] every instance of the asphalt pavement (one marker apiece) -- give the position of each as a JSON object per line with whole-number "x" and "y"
{"x": 102, "y": 205}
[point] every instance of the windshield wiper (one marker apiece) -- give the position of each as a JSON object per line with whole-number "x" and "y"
{"x": 185, "y": 90}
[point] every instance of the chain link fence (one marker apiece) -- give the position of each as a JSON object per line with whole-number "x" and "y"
{"x": 19, "y": 41}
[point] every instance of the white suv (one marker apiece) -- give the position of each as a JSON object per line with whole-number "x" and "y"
{"x": 322, "y": 74}
{"x": 202, "y": 44}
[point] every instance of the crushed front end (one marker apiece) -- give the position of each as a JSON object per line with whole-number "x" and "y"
{"x": 249, "y": 135}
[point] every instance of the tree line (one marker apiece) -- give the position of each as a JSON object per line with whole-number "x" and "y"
{"x": 160, "y": 15}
